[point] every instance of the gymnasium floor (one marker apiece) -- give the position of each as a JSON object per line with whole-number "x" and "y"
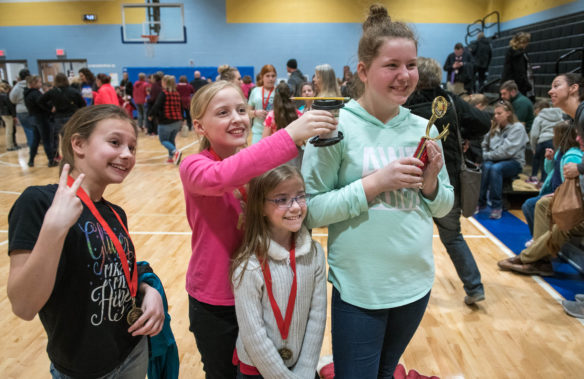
{"x": 520, "y": 331}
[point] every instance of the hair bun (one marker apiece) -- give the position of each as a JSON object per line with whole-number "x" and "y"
{"x": 377, "y": 15}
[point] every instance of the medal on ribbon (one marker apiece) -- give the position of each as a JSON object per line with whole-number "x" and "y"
{"x": 283, "y": 322}
{"x": 439, "y": 108}
{"x": 131, "y": 278}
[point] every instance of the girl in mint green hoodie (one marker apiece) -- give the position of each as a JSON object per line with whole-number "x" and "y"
{"x": 378, "y": 204}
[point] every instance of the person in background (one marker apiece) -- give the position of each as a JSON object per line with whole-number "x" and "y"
{"x": 459, "y": 70}
{"x": 504, "y": 156}
{"x": 516, "y": 66}
{"x": 229, "y": 73}
{"x": 168, "y": 110}
{"x": 39, "y": 119}
{"x": 126, "y": 86}
{"x": 522, "y": 106}
{"x": 541, "y": 135}
{"x": 246, "y": 85}
{"x": 8, "y": 113}
{"x": 472, "y": 124}
{"x": 307, "y": 90}
{"x": 261, "y": 100}
{"x": 106, "y": 94}
{"x": 17, "y": 98}
{"x": 198, "y": 81}
{"x": 155, "y": 90}
{"x": 88, "y": 85}
{"x": 295, "y": 79}
{"x": 482, "y": 54}
{"x": 325, "y": 81}
{"x": 140, "y": 91}
{"x": 186, "y": 93}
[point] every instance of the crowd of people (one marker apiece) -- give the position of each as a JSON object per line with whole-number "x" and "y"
{"x": 256, "y": 280}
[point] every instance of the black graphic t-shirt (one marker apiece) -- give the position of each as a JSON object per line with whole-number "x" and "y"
{"x": 85, "y": 316}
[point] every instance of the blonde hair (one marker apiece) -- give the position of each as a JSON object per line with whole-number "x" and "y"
{"x": 519, "y": 40}
{"x": 256, "y": 238}
{"x": 169, "y": 82}
{"x": 227, "y": 72}
{"x": 328, "y": 82}
{"x": 200, "y": 103}
{"x": 429, "y": 72}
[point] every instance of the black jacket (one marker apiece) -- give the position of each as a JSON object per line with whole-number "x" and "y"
{"x": 473, "y": 124}
{"x": 32, "y": 98}
{"x": 481, "y": 52}
{"x": 6, "y": 106}
{"x": 515, "y": 68}
{"x": 465, "y": 73}
{"x": 66, "y": 101}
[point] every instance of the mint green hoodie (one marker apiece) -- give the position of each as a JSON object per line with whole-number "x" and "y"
{"x": 379, "y": 254}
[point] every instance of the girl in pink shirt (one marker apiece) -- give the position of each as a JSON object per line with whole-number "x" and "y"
{"x": 214, "y": 183}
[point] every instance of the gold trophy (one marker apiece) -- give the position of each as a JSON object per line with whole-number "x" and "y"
{"x": 439, "y": 108}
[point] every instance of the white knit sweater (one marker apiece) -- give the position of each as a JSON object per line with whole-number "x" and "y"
{"x": 259, "y": 339}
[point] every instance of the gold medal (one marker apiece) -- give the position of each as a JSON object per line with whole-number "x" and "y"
{"x": 285, "y": 353}
{"x": 134, "y": 313}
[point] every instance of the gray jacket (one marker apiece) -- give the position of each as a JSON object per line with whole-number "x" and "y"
{"x": 508, "y": 143}
{"x": 542, "y": 128}
{"x": 17, "y": 96}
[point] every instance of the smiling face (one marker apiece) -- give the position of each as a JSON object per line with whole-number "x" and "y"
{"x": 285, "y": 221}
{"x": 561, "y": 92}
{"x": 109, "y": 154}
{"x": 393, "y": 74}
{"x": 225, "y": 123}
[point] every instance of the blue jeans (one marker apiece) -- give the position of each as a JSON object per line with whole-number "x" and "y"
{"x": 42, "y": 132}
{"x": 167, "y": 134}
{"x": 528, "y": 209}
{"x": 539, "y": 158}
{"x": 28, "y": 127}
{"x": 57, "y": 129}
{"x": 141, "y": 110}
{"x": 368, "y": 343}
{"x": 458, "y": 250}
{"x": 135, "y": 366}
{"x": 492, "y": 180}
{"x": 215, "y": 329}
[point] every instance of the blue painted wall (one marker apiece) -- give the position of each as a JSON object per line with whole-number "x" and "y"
{"x": 562, "y": 10}
{"x": 212, "y": 42}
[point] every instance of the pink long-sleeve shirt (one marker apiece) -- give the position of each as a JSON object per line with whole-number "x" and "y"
{"x": 213, "y": 211}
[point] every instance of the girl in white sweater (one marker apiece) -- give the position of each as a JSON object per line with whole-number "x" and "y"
{"x": 279, "y": 282}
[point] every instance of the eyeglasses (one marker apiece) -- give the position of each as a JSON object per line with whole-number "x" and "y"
{"x": 286, "y": 202}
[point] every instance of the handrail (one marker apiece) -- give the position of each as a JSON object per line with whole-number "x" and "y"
{"x": 569, "y": 53}
{"x": 471, "y": 32}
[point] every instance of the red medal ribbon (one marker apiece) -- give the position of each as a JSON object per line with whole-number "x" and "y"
{"x": 131, "y": 281}
{"x": 267, "y": 101}
{"x": 283, "y": 324}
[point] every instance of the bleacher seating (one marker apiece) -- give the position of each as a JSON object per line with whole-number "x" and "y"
{"x": 549, "y": 40}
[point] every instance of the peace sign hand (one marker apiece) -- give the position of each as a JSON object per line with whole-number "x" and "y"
{"x": 66, "y": 207}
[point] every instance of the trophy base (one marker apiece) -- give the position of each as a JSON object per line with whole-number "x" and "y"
{"x": 321, "y": 142}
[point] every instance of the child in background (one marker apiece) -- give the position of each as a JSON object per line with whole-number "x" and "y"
{"x": 76, "y": 246}
{"x": 307, "y": 90}
{"x": 214, "y": 182}
{"x": 541, "y": 136}
{"x": 278, "y": 273}
{"x": 261, "y": 100}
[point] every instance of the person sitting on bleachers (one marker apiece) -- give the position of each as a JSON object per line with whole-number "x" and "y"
{"x": 541, "y": 135}
{"x": 522, "y": 106}
{"x": 503, "y": 155}
{"x": 567, "y": 151}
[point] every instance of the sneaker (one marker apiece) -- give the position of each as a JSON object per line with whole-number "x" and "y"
{"x": 479, "y": 208}
{"x": 543, "y": 267}
{"x": 471, "y": 299}
{"x": 529, "y": 243}
{"x": 580, "y": 297}
{"x": 53, "y": 163}
{"x": 169, "y": 160}
{"x": 574, "y": 308}
{"x": 532, "y": 180}
{"x": 496, "y": 214}
{"x": 30, "y": 163}
{"x": 57, "y": 158}
{"x": 176, "y": 157}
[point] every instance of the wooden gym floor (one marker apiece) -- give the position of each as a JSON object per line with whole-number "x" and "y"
{"x": 520, "y": 331}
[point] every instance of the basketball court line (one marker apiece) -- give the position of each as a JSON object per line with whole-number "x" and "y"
{"x": 536, "y": 278}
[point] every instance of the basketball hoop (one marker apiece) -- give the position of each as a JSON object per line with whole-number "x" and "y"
{"x": 149, "y": 41}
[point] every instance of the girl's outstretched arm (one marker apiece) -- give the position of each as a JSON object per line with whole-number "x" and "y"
{"x": 32, "y": 273}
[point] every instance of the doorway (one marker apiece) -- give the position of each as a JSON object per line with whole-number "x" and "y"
{"x": 9, "y": 69}
{"x": 49, "y": 68}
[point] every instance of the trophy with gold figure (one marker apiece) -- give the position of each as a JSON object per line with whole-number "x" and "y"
{"x": 439, "y": 108}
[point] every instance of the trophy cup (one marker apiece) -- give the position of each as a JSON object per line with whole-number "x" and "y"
{"x": 333, "y": 105}
{"x": 439, "y": 108}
